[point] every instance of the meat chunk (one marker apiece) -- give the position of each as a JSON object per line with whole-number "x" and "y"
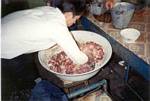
{"x": 61, "y": 63}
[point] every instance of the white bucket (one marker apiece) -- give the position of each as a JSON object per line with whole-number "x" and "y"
{"x": 122, "y": 13}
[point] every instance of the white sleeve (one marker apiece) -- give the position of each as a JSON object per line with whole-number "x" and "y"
{"x": 63, "y": 38}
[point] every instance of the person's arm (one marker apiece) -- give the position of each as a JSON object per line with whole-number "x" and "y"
{"x": 65, "y": 40}
{"x": 109, "y": 3}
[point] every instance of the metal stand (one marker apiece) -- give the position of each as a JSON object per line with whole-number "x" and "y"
{"x": 88, "y": 89}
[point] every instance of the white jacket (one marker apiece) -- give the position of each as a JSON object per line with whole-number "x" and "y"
{"x": 37, "y": 29}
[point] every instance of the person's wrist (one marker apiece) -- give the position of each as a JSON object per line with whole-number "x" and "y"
{"x": 109, "y": 4}
{"x": 111, "y": 0}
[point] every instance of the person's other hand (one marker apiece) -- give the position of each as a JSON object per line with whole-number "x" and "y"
{"x": 109, "y": 4}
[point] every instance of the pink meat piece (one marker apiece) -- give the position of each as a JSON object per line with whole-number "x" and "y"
{"x": 62, "y": 64}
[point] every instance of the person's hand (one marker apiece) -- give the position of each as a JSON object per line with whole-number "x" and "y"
{"x": 109, "y": 4}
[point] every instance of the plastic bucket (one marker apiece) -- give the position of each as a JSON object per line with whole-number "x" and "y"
{"x": 122, "y": 13}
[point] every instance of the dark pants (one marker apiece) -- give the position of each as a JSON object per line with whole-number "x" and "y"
{"x": 46, "y": 91}
{"x": 18, "y": 73}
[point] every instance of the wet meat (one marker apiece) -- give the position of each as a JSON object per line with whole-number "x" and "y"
{"x": 62, "y": 64}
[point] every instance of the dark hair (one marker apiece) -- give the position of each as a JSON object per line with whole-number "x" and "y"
{"x": 78, "y": 7}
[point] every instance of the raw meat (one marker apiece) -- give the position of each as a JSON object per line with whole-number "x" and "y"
{"x": 62, "y": 64}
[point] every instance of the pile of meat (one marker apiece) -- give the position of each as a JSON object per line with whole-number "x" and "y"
{"x": 61, "y": 63}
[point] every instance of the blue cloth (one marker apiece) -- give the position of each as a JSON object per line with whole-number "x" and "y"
{"x": 46, "y": 91}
